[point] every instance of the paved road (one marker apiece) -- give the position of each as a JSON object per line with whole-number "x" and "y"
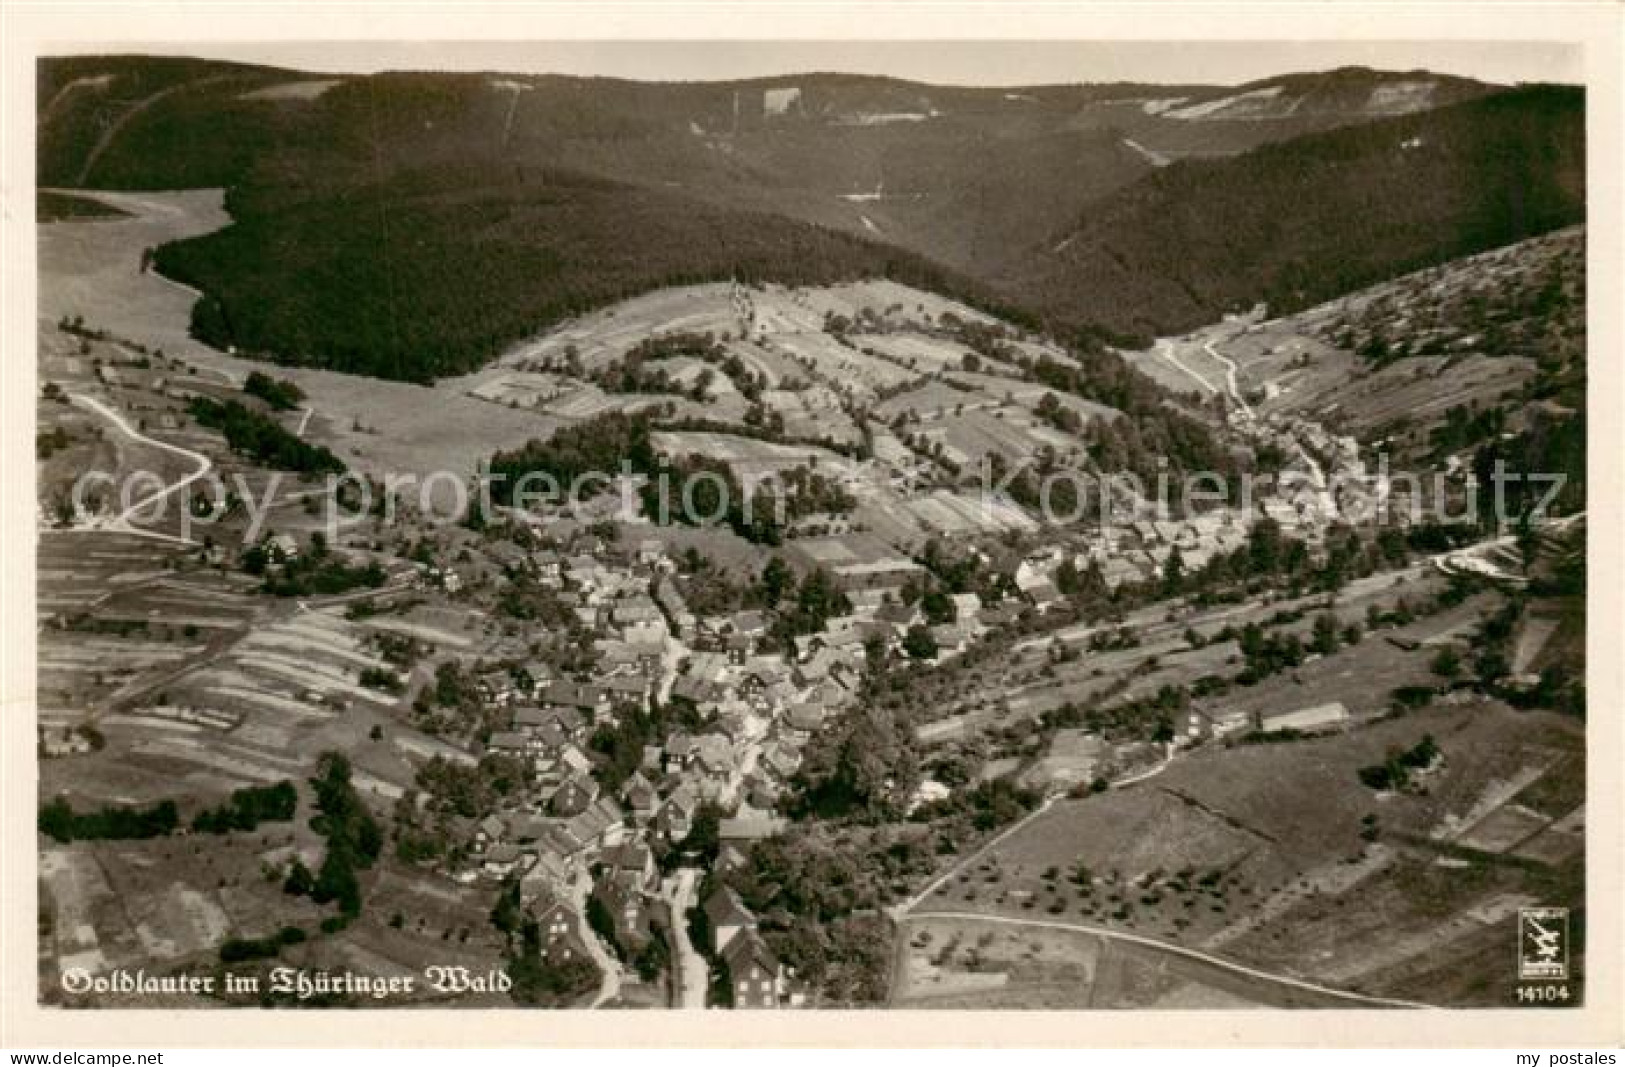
{"x": 1251, "y": 973}
{"x": 693, "y": 976}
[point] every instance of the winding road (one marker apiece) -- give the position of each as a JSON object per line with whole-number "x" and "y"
{"x": 1230, "y": 382}
{"x": 1251, "y": 973}
{"x": 1165, "y": 348}
{"x": 121, "y": 522}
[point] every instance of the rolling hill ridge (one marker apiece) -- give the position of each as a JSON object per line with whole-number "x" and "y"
{"x": 447, "y": 215}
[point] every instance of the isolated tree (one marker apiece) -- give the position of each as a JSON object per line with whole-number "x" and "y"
{"x": 919, "y": 643}
{"x": 1326, "y": 636}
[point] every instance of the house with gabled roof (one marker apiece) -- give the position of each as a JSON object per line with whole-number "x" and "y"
{"x": 631, "y": 860}
{"x": 508, "y": 555}
{"x": 548, "y": 566}
{"x": 695, "y": 691}
{"x": 738, "y": 648}
{"x": 635, "y": 609}
{"x": 805, "y": 717}
{"x": 779, "y": 759}
{"x": 574, "y": 796}
{"x": 708, "y": 667}
{"x": 508, "y": 743}
{"x": 497, "y": 687}
{"x": 712, "y": 755}
{"x": 629, "y": 909}
{"x": 598, "y": 823}
{"x": 898, "y": 615}
{"x": 755, "y": 976}
{"x": 501, "y": 859}
{"x": 651, "y": 552}
{"x": 640, "y": 797}
{"x": 587, "y": 698}
{"x": 748, "y": 624}
{"x": 671, "y": 601}
{"x": 562, "y": 937}
{"x": 627, "y": 689}
{"x": 726, "y": 917}
{"x": 748, "y": 825}
{"x": 489, "y": 831}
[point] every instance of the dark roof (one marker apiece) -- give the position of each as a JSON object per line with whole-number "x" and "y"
{"x": 749, "y": 948}
{"x": 724, "y": 908}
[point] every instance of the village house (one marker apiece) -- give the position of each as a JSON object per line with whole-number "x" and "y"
{"x": 501, "y": 860}
{"x": 676, "y": 816}
{"x": 726, "y": 917}
{"x": 640, "y": 797}
{"x": 671, "y": 601}
{"x": 651, "y": 553}
{"x": 497, "y": 688}
{"x": 574, "y": 796}
{"x": 756, "y": 979}
{"x": 282, "y": 548}
{"x": 509, "y": 743}
{"x": 804, "y": 718}
{"x": 749, "y": 826}
{"x": 548, "y": 567}
{"x": 1318, "y": 717}
{"x": 562, "y": 937}
{"x": 509, "y": 556}
{"x": 629, "y": 911}
{"x": 584, "y": 698}
{"x": 631, "y": 862}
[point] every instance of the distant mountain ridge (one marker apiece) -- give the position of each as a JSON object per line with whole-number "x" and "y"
{"x": 1101, "y": 210}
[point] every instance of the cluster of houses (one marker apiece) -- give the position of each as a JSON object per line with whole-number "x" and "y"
{"x": 737, "y": 713}
{"x": 755, "y": 976}
{"x": 743, "y": 712}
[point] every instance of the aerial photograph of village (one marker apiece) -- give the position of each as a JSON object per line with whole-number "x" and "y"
{"x": 520, "y": 539}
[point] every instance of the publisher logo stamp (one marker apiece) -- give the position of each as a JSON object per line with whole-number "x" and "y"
{"x": 1543, "y": 943}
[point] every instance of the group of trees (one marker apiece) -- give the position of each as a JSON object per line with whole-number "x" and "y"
{"x": 817, "y": 893}
{"x": 633, "y": 373}
{"x": 262, "y": 439}
{"x": 582, "y": 460}
{"x": 242, "y": 950}
{"x": 864, "y": 765}
{"x": 619, "y": 745}
{"x": 448, "y": 795}
{"x": 244, "y": 810}
{"x": 58, "y": 821}
{"x": 248, "y": 807}
{"x": 279, "y": 393}
{"x": 802, "y": 607}
{"x": 315, "y": 572}
{"x": 354, "y": 839}
{"x": 1395, "y": 772}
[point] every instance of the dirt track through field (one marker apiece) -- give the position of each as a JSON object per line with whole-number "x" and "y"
{"x": 1251, "y": 973}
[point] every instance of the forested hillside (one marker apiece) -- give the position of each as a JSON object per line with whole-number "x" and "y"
{"x": 411, "y": 225}
{"x": 1298, "y": 222}
{"x": 434, "y": 272}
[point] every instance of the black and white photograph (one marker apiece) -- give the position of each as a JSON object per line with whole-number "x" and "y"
{"x": 793, "y": 526}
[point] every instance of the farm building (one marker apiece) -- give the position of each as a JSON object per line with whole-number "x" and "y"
{"x": 1318, "y": 717}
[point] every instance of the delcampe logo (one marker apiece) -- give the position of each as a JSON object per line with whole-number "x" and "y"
{"x": 1543, "y": 943}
